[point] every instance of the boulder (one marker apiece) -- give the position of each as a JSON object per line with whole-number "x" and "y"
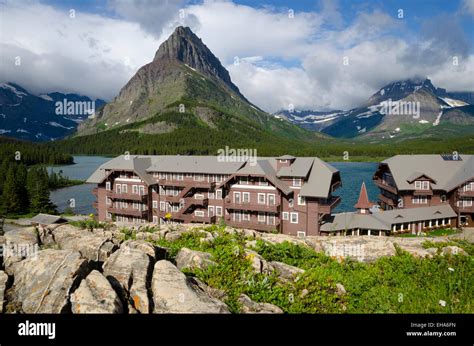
{"x": 90, "y": 245}
{"x": 95, "y": 295}
{"x": 285, "y": 271}
{"x": 3, "y": 287}
{"x": 259, "y": 265}
{"x": 191, "y": 259}
{"x": 42, "y": 284}
{"x": 453, "y": 250}
{"x": 129, "y": 270}
{"x": 19, "y": 244}
{"x": 173, "y": 235}
{"x": 174, "y": 293}
{"x": 155, "y": 252}
{"x": 251, "y": 307}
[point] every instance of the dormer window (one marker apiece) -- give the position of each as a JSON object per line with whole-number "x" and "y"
{"x": 283, "y": 161}
{"x": 297, "y": 182}
{"x": 263, "y": 182}
{"x": 422, "y": 185}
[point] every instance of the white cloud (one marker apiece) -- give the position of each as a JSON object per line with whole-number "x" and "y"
{"x": 468, "y": 6}
{"x": 283, "y": 60}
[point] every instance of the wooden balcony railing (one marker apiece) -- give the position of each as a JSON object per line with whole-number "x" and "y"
{"x": 182, "y": 183}
{"x": 127, "y": 196}
{"x": 128, "y": 211}
{"x": 386, "y": 186}
{"x": 387, "y": 200}
{"x": 271, "y": 208}
{"x": 465, "y": 193}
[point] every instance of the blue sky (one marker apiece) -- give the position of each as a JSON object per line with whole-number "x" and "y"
{"x": 282, "y": 60}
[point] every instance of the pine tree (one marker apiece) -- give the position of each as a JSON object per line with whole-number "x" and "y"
{"x": 38, "y": 186}
{"x": 11, "y": 199}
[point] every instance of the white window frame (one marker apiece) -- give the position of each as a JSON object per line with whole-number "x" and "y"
{"x": 271, "y": 219}
{"x": 154, "y": 204}
{"x": 236, "y": 193}
{"x": 108, "y": 186}
{"x": 268, "y": 199}
{"x": 245, "y": 216}
{"x": 162, "y": 206}
{"x": 259, "y": 201}
{"x": 301, "y": 200}
{"x": 297, "y": 182}
{"x": 210, "y": 210}
{"x": 261, "y": 217}
{"x": 285, "y": 215}
{"x": 245, "y": 194}
{"x": 218, "y": 211}
{"x": 263, "y": 182}
{"x": 219, "y": 194}
{"x": 108, "y": 201}
{"x": 301, "y": 234}
{"x": 199, "y": 177}
{"x": 293, "y": 214}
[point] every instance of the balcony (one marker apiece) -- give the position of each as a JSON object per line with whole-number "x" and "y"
{"x": 463, "y": 193}
{"x": 128, "y": 211}
{"x": 386, "y": 186}
{"x": 127, "y": 196}
{"x": 182, "y": 183}
{"x": 423, "y": 192}
{"x": 259, "y": 226}
{"x": 465, "y": 209}
{"x": 387, "y": 200}
{"x": 229, "y": 204}
{"x": 202, "y": 202}
{"x": 329, "y": 205}
{"x": 190, "y": 218}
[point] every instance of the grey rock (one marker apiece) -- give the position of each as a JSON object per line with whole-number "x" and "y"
{"x": 3, "y": 287}
{"x": 129, "y": 270}
{"x": 42, "y": 284}
{"x": 95, "y": 295}
{"x": 259, "y": 264}
{"x": 340, "y": 289}
{"x": 251, "y": 307}
{"x": 19, "y": 244}
{"x": 191, "y": 259}
{"x": 174, "y": 293}
{"x": 453, "y": 250}
{"x": 285, "y": 271}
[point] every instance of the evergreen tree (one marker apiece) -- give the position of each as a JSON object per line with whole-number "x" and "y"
{"x": 11, "y": 199}
{"x": 38, "y": 186}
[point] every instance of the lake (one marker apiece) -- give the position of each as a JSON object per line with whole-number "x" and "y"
{"x": 352, "y": 175}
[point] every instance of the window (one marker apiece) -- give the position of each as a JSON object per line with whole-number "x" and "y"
{"x": 422, "y": 185}
{"x": 296, "y": 182}
{"x": 198, "y": 196}
{"x": 109, "y": 215}
{"x": 218, "y": 178}
{"x": 283, "y": 161}
{"x": 199, "y": 177}
{"x": 124, "y": 204}
{"x": 124, "y": 188}
{"x": 246, "y": 216}
{"x": 219, "y": 211}
{"x": 244, "y": 181}
{"x": 263, "y": 182}
{"x": 189, "y": 175}
{"x": 301, "y": 200}
{"x": 135, "y": 205}
{"x": 135, "y": 189}
{"x": 162, "y": 190}
{"x": 301, "y": 234}
{"x": 155, "y": 219}
{"x": 108, "y": 186}
{"x": 246, "y": 197}
{"x": 261, "y": 217}
{"x": 210, "y": 211}
{"x": 294, "y": 217}
{"x": 419, "y": 200}
{"x": 271, "y": 199}
{"x": 285, "y": 215}
{"x": 199, "y": 213}
{"x": 237, "y": 197}
{"x": 261, "y": 198}
{"x": 180, "y": 176}
{"x": 142, "y": 190}
{"x": 237, "y": 216}
{"x": 219, "y": 194}
{"x": 118, "y": 189}
{"x": 271, "y": 219}
{"x": 443, "y": 198}
{"x": 155, "y": 204}
{"x": 162, "y": 206}
{"x": 162, "y": 175}
{"x": 108, "y": 201}
{"x": 211, "y": 195}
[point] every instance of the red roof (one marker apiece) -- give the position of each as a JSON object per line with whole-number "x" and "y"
{"x": 363, "y": 202}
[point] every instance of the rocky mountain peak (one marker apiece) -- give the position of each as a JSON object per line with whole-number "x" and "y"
{"x": 183, "y": 45}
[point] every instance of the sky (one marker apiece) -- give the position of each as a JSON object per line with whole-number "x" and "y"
{"x": 316, "y": 55}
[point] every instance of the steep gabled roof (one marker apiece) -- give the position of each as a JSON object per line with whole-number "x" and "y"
{"x": 446, "y": 174}
{"x": 298, "y": 169}
{"x": 319, "y": 181}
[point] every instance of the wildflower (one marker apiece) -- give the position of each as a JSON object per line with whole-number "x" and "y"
{"x": 442, "y": 303}
{"x": 451, "y": 269}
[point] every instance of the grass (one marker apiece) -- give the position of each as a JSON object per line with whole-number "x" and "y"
{"x": 396, "y": 284}
{"x": 440, "y": 232}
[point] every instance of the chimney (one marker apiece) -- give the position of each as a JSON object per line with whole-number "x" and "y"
{"x": 284, "y": 161}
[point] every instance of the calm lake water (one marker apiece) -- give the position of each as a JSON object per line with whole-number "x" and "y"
{"x": 352, "y": 174}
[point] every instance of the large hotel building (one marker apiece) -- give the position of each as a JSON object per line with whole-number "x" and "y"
{"x": 285, "y": 194}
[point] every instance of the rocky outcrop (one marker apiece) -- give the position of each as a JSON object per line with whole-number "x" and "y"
{"x": 174, "y": 293}
{"x": 42, "y": 284}
{"x": 90, "y": 245}
{"x": 191, "y": 259}
{"x": 251, "y": 307}
{"x": 19, "y": 244}
{"x": 128, "y": 270}
{"x": 259, "y": 265}
{"x": 453, "y": 250}
{"x": 95, "y": 295}
{"x": 151, "y": 250}
{"x": 285, "y": 271}
{"x": 3, "y": 287}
